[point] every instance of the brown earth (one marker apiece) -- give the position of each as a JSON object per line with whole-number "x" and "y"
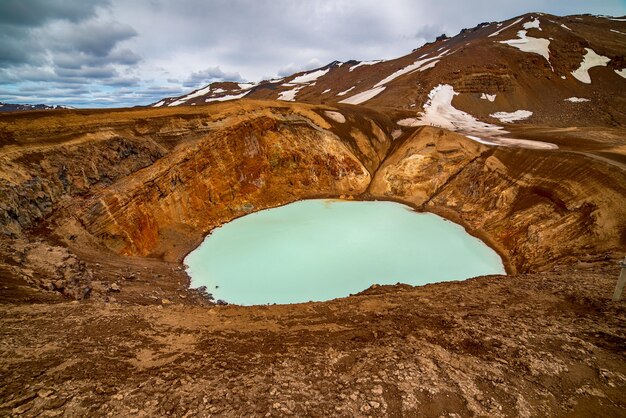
{"x": 101, "y": 207}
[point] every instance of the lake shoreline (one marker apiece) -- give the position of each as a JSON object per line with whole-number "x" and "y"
{"x": 374, "y": 244}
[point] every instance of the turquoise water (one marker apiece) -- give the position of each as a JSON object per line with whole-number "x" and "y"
{"x": 316, "y": 250}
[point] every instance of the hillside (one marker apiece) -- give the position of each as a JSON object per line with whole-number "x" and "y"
{"x": 565, "y": 70}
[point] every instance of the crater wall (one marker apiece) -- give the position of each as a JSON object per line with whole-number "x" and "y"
{"x": 154, "y": 182}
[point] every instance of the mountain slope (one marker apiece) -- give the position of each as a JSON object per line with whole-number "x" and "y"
{"x": 560, "y": 70}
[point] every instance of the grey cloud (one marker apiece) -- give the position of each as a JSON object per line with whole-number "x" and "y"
{"x": 123, "y": 82}
{"x": 19, "y": 47}
{"x": 92, "y": 37}
{"x": 209, "y": 75}
{"x": 78, "y": 60}
{"x": 37, "y": 12}
{"x": 88, "y": 72}
{"x": 25, "y": 75}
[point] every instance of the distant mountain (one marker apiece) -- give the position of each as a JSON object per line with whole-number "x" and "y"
{"x": 10, "y": 107}
{"x": 535, "y": 68}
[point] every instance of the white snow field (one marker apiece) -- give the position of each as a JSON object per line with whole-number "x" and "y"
{"x": 590, "y": 60}
{"x": 289, "y": 95}
{"x": 226, "y": 98}
{"x": 529, "y": 44}
{"x": 490, "y": 97}
{"x": 532, "y": 24}
{"x": 577, "y": 99}
{"x": 246, "y": 86}
{"x": 438, "y": 111}
{"x": 343, "y": 93}
{"x": 364, "y": 96}
{"x": 362, "y": 63}
{"x": 417, "y": 65}
{"x": 190, "y": 96}
{"x": 308, "y": 77}
{"x": 510, "y": 117}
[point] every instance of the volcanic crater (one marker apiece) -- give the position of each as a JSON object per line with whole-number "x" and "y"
{"x": 98, "y": 208}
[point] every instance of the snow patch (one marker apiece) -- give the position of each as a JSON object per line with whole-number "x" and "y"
{"x": 590, "y": 60}
{"x": 325, "y": 91}
{"x": 428, "y": 66}
{"x": 362, "y": 63}
{"x": 438, "y": 111}
{"x": 307, "y": 78}
{"x": 216, "y": 91}
{"x": 529, "y": 44}
{"x": 161, "y": 103}
{"x": 506, "y": 27}
{"x": 490, "y": 97}
{"x": 532, "y": 24}
{"x": 510, "y": 117}
{"x": 616, "y": 31}
{"x": 417, "y": 65}
{"x": 226, "y": 98}
{"x": 577, "y": 99}
{"x": 563, "y": 26}
{"x": 190, "y": 96}
{"x": 621, "y": 73}
{"x": 343, "y": 93}
{"x": 246, "y": 86}
{"x": 363, "y": 96}
{"x": 289, "y": 95}
{"x": 336, "y": 116}
{"x": 511, "y": 142}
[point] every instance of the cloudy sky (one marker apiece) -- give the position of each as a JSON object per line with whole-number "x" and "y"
{"x": 112, "y": 53}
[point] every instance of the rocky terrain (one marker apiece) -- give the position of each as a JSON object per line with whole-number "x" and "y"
{"x": 99, "y": 207}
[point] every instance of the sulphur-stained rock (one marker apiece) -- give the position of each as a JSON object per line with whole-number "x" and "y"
{"x": 535, "y": 207}
{"x": 422, "y": 164}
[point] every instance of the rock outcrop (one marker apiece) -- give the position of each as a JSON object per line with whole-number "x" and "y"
{"x": 538, "y": 207}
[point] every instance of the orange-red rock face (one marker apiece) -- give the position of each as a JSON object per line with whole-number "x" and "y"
{"x": 258, "y": 163}
{"x": 154, "y": 182}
